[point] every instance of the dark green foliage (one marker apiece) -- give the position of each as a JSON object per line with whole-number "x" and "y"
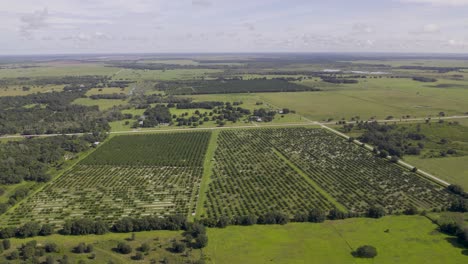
{"x": 459, "y": 204}
{"x": 272, "y": 218}
{"x": 178, "y": 247}
{"x": 124, "y": 248}
{"x": 201, "y": 241}
{"x": 50, "y": 260}
{"x": 424, "y": 79}
{"x": 174, "y": 149}
{"x": 456, "y": 189}
{"x": 223, "y": 221}
{"x": 128, "y": 224}
{"x": 366, "y": 252}
{"x": 30, "y": 159}
{"x": 156, "y": 115}
{"x": 233, "y": 86}
{"x": 6, "y": 244}
{"x": 46, "y": 230}
{"x": 29, "y": 229}
{"x": 336, "y": 214}
{"x": 145, "y": 247}
{"x": 81, "y": 248}
{"x": 51, "y": 247}
{"x": 376, "y": 212}
{"x": 411, "y": 210}
{"x": 59, "y": 115}
{"x": 316, "y": 216}
{"x": 138, "y": 256}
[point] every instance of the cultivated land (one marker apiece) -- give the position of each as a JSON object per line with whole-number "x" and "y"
{"x": 242, "y": 167}
{"x": 128, "y": 176}
{"x": 294, "y": 169}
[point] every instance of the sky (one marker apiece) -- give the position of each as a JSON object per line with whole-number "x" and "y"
{"x": 171, "y": 26}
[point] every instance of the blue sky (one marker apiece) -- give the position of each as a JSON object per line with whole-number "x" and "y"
{"x": 127, "y": 26}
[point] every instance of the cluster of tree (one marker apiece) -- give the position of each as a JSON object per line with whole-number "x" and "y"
{"x": 424, "y": 79}
{"x": 88, "y": 81}
{"x": 459, "y": 204}
{"x": 108, "y": 96}
{"x": 365, "y": 251}
{"x": 331, "y": 79}
{"x": 156, "y": 115}
{"x": 265, "y": 114}
{"x": 232, "y": 86}
{"x": 84, "y": 226}
{"x": 31, "y": 158}
{"x": 83, "y": 248}
{"x": 195, "y": 235}
{"x": 29, "y": 229}
{"x": 455, "y": 228}
{"x": 314, "y": 216}
{"x": 129, "y": 224}
{"x": 202, "y": 105}
{"x": 390, "y": 140}
{"x": 50, "y": 113}
{"x": 431, "y": 68}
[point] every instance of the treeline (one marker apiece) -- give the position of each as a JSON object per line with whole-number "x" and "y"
{"x": 30, "y": 159}
{"x": 108, "y": 96}
{"x": 336, "y": 80}
{"x": 432, "y": 68}
{"x": 202, "y": 105}
{"x": 424, "y": 79}
{"x": 49, "y": 113}
{"x": 389, "y": 139}
{"x": 232, "y": 86}
{"x": 156, "y": 115}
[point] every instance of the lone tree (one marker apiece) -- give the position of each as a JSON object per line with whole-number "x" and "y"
{"x": 376, "y": 212}
{"x": 365, "y": 251}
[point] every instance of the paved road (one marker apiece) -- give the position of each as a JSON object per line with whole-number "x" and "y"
{"x": 402, "y": 163}
{"x": 402, "y": 120}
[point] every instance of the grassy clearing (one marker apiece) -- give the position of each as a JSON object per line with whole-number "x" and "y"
{"x": 207, "y": 171}
{"x": 17, "y": 90}
{"x": 411, "y": 239}
{"x": 159, "y": 242}
{"x": 103, "y": 104}
{"x": 452, "y": 169}
{"x": 58, "y": 69}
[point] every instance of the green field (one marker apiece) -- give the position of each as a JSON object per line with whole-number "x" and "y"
{"x": 410, "y": 239}
{"x": 452, "y": 169}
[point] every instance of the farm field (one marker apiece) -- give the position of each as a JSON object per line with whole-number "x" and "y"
{"x": 103, "y": 104}
{"x": 128, "y": 176}
{"x": 451, "y": 169}
{"x": 311, "y": 168}
{"x": 58, "y": 69}
{"x": 411, "y": 239}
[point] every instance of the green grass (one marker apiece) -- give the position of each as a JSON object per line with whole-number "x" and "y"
{"x": 103, "y": 104}
{"x": 103, "y": 245}
{"x": 17, "y": 90}
{"x": 411, "y": 239}
{"x": 374, "y": 97}
{"x": 207, "y": 171}
{"x": 452, "y": 169}
{"x": 59, "y": 69}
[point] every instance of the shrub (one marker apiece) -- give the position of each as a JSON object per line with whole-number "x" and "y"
{"x": 366, "y": 252}
{"x": 316, "y": 215}
{"x": 376, "y": 212}
{"x": 178, "y": 247}
{"x": 124, "y": 248}
{"x": 6, "y": 244}
{"x": 201, "y": 241}
{"x": 51, "y": 247}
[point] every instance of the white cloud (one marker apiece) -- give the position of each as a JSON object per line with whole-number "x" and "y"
{"x": 439, "y": 2}
{"x": 431, "y": 28}
{"x": 33, "y": 22}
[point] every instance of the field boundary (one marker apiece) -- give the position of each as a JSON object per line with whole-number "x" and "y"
{"x": 310, "y": 181}
{"x": 206, "y": 177}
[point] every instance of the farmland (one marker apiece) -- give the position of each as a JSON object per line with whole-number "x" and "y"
{"x": 128, "y": 176}
{"x": 295, "y": 169}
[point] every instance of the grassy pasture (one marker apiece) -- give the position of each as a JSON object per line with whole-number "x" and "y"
{"x": 159, "y": 242}
{"x": 411, "y": 239}
{"x": 16, "y": 90}
{"x": 58, "y": 69}
{"x": 452, "y": 169}
{"x": 103, "y": 104}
